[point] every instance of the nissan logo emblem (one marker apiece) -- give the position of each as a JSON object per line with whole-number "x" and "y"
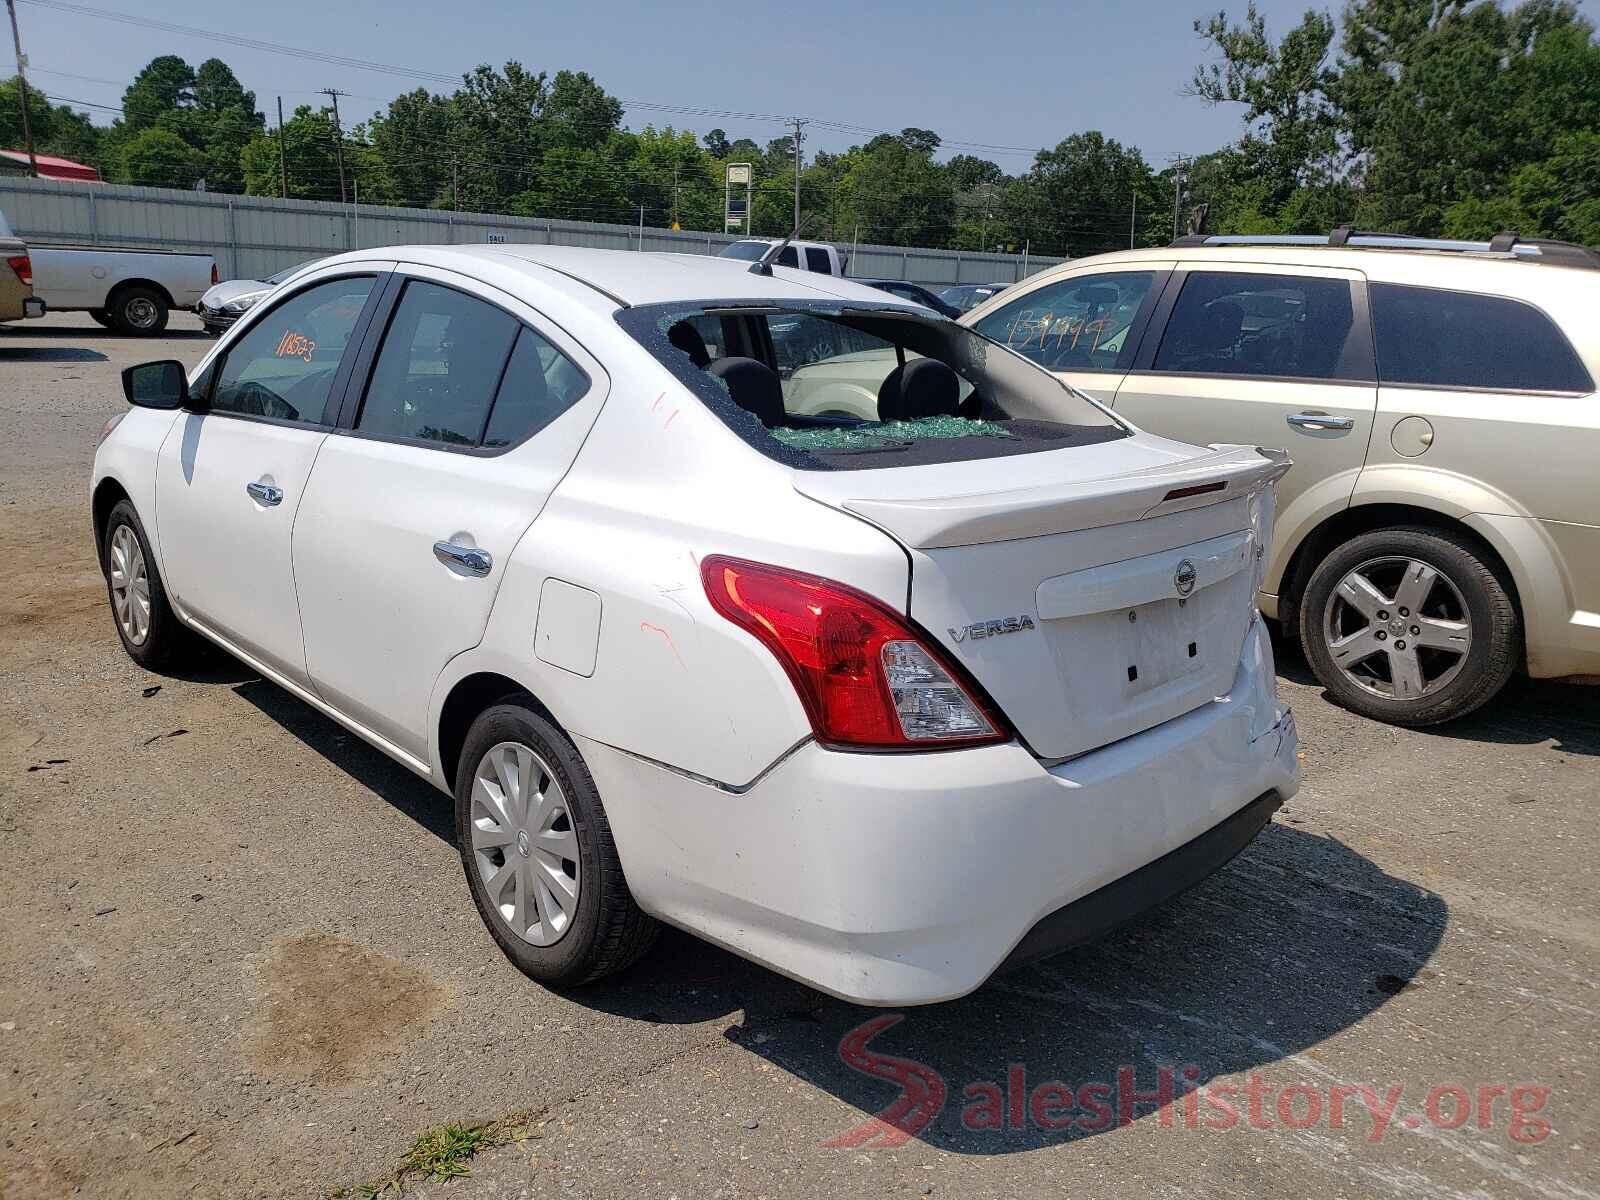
{"x": 1184, "y": 577}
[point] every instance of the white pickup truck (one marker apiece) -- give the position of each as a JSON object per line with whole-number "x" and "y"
{"x": 128, "y": 290}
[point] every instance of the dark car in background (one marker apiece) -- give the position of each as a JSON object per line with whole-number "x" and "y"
{"x": 913, "y": 292}
{"x": 966, "y": 296}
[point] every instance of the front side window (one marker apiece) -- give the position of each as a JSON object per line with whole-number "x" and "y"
{"x": 800, "y": 341}
{"x": 283, "y": 366}
{"x": 1078, "y": 324}
{"x": 1228, "y": 323}
{"x": 1440, "y": 338}
{"x": 436, "y": 374}
{"x": 787, "y": 257}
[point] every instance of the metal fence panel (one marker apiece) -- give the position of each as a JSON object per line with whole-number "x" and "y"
{"x": 253, "y": 236}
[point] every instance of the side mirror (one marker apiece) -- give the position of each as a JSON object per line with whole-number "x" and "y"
{"x": 163, "y": 384}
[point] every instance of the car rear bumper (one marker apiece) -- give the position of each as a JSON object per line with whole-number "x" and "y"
{"x": 910, "y": 878}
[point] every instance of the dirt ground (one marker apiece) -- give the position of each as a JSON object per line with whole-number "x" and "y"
{"x": 237, "y": 957}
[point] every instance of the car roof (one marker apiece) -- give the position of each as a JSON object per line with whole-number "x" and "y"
{"x": 1388, "y": 263}
{"x": 628, "y": 277}
{"x": 1498, "y": 274}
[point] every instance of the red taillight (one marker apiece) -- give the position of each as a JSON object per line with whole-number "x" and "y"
{"x": 215, "y": 278}
{"x": 865, "y": 677}
{"x": 23, "y": 266}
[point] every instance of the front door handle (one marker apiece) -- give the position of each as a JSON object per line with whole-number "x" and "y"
{"x": 468, "y": 559}
{"x": 265, "y": 493}
{"x": 1319, "y": 420}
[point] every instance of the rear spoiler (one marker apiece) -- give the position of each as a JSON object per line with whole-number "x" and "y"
{"x": 1227, "y": 473}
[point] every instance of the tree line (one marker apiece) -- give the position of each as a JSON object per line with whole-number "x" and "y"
{"x": 1436, "y": 117}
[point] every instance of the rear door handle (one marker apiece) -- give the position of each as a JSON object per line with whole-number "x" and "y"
{"x": 1319, "y": 420}
{"x": 467, "y": 559}
{"x": 265, "y": 493}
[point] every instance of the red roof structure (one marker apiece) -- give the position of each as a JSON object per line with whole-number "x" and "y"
{"x": 50, "y": 167}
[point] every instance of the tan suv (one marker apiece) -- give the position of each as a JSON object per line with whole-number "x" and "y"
{"x": 1441, "y": 524}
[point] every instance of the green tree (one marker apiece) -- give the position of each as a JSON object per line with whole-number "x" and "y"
{"x": 166, "y": 83}
{"x": 160, "y": 158}
{"x": 57, "y": 129}
{"x": 1078, "y": 198}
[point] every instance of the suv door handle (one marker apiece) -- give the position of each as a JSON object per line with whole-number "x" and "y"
{"x": 468, "y": 559}
{"x": 264, "y": 493}
{"x": 1319, "y": 420}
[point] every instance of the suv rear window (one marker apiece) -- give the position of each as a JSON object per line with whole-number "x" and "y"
{"x": 829, "y": 386}
{"x": 1437, "y": 338}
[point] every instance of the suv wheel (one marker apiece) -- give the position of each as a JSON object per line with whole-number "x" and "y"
{"x": 1412, "y": 626}
{"x": 538, "y": 853}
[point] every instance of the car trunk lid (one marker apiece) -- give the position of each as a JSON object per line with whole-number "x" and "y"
{"x": 1095, "y": 592}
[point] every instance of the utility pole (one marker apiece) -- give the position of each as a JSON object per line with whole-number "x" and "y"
{"x": 338, "y": 134}
{"x": 22, "y": 89}
{"x": 283, "y": 161}
{"x": 455, "y": 183}
{"x": 675, "y": 167}
{"x": 1179, "y": 179}
{"x": 1133, "y": 220}
{"x": 799, "y": 123}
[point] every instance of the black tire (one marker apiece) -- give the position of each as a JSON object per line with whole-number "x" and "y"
{"x": 101, "y": 317}
{"x": 167, "y": 640}
{"x": 139, "y": 311}
{"x": 609, "y": 932}
{"x": 1496, "y": 626}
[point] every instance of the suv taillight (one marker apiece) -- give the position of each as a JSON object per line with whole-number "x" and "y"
{"x": 215, "y": 278}
{"x": 865, "y": 677}
{"x": 23, "y": 266}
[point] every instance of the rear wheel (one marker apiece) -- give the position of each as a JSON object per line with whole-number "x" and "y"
{"x": 151, "y": 633}
{"x": 138, "y": 310}
{"x": 538, "y": 854}
{"x": 1412, "y": 626}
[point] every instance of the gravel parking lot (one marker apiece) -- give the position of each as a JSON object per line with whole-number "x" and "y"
{"x": 239, "y": 958}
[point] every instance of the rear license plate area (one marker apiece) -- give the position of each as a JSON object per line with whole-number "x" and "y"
{"x": 1160, "y": 642}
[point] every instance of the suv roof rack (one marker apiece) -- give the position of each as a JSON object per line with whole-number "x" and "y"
{"x": 1508, "y": 244}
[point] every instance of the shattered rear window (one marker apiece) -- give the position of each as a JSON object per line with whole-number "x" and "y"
{"x": 823, "y": 385}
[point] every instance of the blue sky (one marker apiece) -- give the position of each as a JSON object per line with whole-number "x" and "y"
{"x": 999, "y": 75}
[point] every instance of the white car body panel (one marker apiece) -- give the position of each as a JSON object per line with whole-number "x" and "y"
{"x": 871, "y": 876}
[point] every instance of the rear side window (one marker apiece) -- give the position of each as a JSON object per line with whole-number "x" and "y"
{"x": 540, "y": 384}
{"x": 817, "y": 260}
{"x": 284, "y": 365}
{"x": 1079, "y": 324}
{"x": 1290, "y": 326}
{"x": 440, "y": 364}
{"x": 1438, "y": 338}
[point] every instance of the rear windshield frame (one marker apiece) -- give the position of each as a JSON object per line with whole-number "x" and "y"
{"x": 647, "y": 325}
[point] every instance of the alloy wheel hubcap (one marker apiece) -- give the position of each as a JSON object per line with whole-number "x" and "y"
{"x": 1398, "y": 627}
{"x": 130, "y": 585}
{"x": 524, "y": 845}
{"x": 141, "y": 312}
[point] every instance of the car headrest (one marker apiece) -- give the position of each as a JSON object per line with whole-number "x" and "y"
{"x": 754, "y": 386}
{"x": 687, "y": 338}
{"x": 925, "y": 387}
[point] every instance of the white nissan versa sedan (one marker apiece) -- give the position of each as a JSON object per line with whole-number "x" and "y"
{"x": 881, "y": 704}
